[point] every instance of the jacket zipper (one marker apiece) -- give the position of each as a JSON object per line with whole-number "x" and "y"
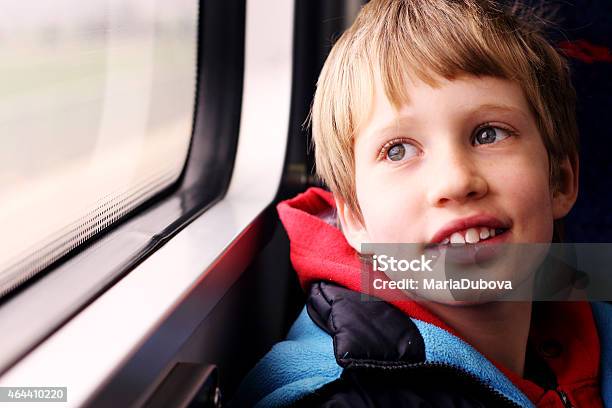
{"x": 564, "y": 399}
{"x": 451, "y": 368}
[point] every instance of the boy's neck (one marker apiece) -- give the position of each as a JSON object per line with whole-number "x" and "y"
{"x": 499, "y": 330}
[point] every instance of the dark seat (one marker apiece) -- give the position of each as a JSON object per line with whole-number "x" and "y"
{"x": 586, "y": 39}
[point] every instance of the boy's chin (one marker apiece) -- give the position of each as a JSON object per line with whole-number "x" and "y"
{"x": 463, "y": 303}
{"x": 461, "y": 299}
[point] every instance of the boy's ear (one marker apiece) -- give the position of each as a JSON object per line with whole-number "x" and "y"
{"x": 565, "y": 195}
{"x": 353, "y": 229}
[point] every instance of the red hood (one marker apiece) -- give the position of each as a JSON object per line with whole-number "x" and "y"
{"x": 319, "y": 252}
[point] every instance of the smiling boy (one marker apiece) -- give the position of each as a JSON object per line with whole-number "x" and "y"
{"x": 435, "y": 122}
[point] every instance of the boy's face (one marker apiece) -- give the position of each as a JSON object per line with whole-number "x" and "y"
{"x": 464, "y": 155}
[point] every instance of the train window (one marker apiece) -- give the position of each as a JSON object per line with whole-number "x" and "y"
{"x": 178, "y": 253}
{"x": 126, "y": 110}
{"x": 96, "y": 112}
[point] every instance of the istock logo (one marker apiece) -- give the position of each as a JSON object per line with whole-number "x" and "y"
{"x": 384, "y": 263}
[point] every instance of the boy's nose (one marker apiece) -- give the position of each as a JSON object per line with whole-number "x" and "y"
{"x": 454, "y": 179}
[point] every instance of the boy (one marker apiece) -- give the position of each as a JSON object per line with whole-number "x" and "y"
{"x": 435, "y": 122}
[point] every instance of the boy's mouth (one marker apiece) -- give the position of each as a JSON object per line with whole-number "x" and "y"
{"x": 472, "y": 235}
{"x": 471, "y": 230}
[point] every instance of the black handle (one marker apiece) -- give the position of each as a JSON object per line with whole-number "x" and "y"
{"x": 188, "y": 385}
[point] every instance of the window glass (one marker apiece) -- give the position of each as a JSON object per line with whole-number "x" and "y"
{"x": 96, "y": 111}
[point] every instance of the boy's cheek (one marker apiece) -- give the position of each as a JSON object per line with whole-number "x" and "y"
{"x": 526, "y": 197}
{"x": 395, "y": 209}
{"x": 390, "y": 210}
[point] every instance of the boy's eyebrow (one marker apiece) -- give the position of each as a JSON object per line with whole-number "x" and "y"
{"x": 501, "y": 108}
{"x": 401, "y": 121}
{"x": 405, "y": 120}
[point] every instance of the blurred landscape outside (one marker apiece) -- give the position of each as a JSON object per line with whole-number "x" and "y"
{"x": 96, "y": 110}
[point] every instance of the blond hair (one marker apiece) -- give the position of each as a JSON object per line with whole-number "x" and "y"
{"x": 436, "y": 38}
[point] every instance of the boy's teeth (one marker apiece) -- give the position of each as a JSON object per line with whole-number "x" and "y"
{"x": 484, "y": 233}
{"x": 457, "y": 238}
{"x": 471, "y": 236}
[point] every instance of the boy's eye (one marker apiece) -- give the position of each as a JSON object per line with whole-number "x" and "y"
{"x": 401, "y": 151}
{"x": 490, "y": 135}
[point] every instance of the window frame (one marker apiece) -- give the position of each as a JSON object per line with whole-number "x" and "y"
{"x": 30, "y": 313}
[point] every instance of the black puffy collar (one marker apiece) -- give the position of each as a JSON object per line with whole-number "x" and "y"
{"x": 365, "y": 332}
